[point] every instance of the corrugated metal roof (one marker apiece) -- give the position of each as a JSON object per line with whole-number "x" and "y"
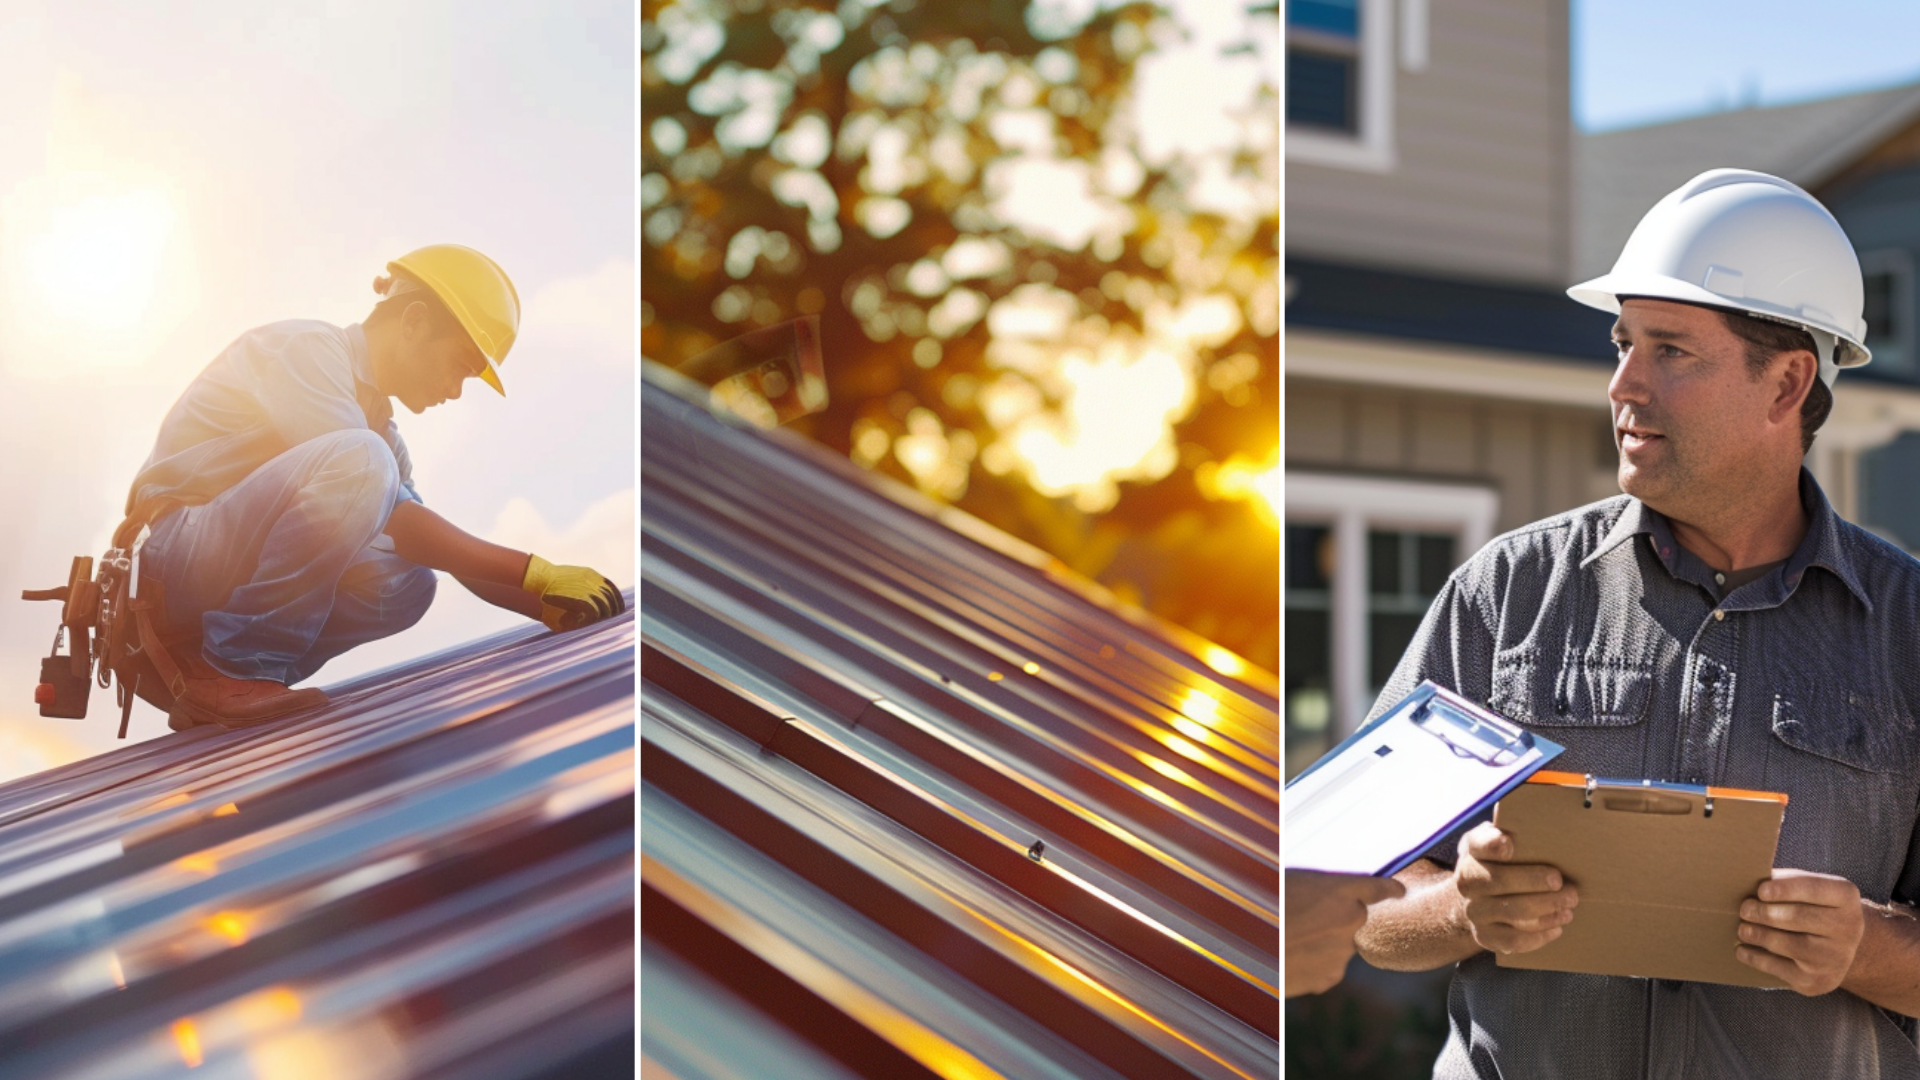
{"x": 433, "y": 877}
{"x": 916, "y": 804}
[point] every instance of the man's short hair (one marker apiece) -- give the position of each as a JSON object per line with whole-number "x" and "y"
{"x": 1766, "y": 339}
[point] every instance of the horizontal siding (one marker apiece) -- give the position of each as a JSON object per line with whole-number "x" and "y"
{"x": 1469, "y": 226}
{"x": 1481, "y": 140}
{"x": 1437, "y": 440}
{"x": 1541, "y": 459}
{"x": 1316, "y": 425}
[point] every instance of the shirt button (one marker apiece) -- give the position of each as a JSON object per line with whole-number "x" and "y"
{"x": 1719, "y": 579}
{"x": 1709, "y": 676}
{"x": 1719, "y": 616}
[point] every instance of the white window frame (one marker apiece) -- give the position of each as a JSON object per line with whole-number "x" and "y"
{"x": 1371, "y": 150}
{"x": 1897, "y": 263}
{"x": 1351, "y": 506}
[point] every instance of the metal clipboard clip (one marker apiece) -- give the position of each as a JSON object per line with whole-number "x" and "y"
{"x": 1483, "y": 738}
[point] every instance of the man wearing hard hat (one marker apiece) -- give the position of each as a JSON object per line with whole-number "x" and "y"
{"x": 1717, "y": 624}
{"x": 285, "y": 528}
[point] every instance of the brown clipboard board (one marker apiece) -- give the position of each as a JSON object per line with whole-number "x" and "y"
{"x": 1661, "y": 870}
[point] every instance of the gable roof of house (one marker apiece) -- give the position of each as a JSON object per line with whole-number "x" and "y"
{"x": 1619, "y": 175}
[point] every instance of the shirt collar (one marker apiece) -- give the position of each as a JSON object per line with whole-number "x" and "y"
{"x": 1633, "y": 521}
{"x": 377, "y": 406}
{"x": 362, "y": 359}
{"x": 1821, "y": 546}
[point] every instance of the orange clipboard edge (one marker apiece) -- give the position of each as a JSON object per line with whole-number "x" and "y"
{"x": 1569, "y": 779}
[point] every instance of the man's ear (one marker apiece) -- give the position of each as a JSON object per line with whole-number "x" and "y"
{"x": 1794, "y": 383}
{"x": 416, "y": 321}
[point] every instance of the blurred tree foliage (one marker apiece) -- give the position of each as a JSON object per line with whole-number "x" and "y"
{"x": 856, "y": 161}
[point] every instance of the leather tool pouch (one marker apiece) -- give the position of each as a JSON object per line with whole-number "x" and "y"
{"x": 114, "y": 631}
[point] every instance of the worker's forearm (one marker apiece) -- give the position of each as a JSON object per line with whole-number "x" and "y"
{"x": 422, "y": 536}
{"x": 1886, "y": 966}
{"x": 511, "y": 597}
{"x": 1423, "y": 930}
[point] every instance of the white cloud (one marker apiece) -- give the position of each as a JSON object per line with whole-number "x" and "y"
{"x": 590, "y": 312}
{"x": 601, "y": 537}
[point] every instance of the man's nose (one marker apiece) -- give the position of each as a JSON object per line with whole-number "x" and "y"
{"x": 1629, "y": 384}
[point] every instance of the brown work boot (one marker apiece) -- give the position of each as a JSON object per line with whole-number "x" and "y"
{"x": 213, "y": 698}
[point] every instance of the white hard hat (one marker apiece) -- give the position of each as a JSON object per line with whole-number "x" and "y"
{"x": 1731, "y": 238}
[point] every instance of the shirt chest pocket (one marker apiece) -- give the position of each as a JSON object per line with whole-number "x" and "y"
{"x": 1596, "y": 707}
{"x": 1847, "y": 764}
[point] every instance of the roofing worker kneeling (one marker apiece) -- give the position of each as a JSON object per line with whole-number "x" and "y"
{"x": 285, "y": 528}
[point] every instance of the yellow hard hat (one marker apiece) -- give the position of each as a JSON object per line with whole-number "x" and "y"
{"x": 478, "y": 293}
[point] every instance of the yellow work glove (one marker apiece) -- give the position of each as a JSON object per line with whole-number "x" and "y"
{"x": 571, "y": 596}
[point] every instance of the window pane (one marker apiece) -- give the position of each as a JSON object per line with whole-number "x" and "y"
{"x": 1309, "y": 557}
{"x": 1321, "y": 90}
{"x": 1309, "y": 678}
{"x": 1885, "y": 333}
{"x": 1879, "y": 288}
{"x": 1383, "y": 563}
{"x": 1387, "y": 639}
{"x": 1436, "y": 562}
{"x": 1341, "y": 17}
{"x": 1407, "y": 570}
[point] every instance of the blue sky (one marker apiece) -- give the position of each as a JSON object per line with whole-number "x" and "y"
{"x": 1638, "y": 61}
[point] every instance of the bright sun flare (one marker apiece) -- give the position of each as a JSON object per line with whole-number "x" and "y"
{"x": 1242, "y": 478}
{"x": 93, "y": 261}
{"x": 95, "y": 271}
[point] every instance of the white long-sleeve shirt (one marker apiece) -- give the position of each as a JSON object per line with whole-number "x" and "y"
{"x": 272, "y": 389}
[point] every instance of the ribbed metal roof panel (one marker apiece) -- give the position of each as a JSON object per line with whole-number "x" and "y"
{"x": 922, "y": 803}
{"x": 432, "y": 877}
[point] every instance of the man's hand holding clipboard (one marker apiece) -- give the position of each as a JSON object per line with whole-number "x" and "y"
{"x": 1804, "y": 929}
{"x": 1511, "y": 907}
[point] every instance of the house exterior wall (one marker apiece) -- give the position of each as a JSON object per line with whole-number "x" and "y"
{"x": 1539, "y": 459}
{"x": 1478, "y": 184}
{"x": 1431, "y": 390}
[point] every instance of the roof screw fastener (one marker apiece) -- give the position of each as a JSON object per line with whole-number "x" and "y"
{"x": 1038, "y": 849}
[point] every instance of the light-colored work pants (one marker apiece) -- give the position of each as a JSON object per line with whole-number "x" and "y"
{"x": 289, "y": 568}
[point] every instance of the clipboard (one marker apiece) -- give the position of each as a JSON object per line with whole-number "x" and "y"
{"x": 1661, "y": 868}
{"x": 1376, "y": 802}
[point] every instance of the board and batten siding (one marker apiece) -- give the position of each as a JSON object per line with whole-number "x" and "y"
{"x": 1540, "y": 459}
{"x": 1480, "y": 184}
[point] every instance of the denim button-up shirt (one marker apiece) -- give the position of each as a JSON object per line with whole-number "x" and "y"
{"x": 273, "y": 389}
{"x": 1598, "y": 630}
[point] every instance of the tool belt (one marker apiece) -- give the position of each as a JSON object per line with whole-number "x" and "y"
{"x": 112, "y": 621}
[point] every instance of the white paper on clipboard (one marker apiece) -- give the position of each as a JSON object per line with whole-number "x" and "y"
{"x": 1375, "y": 802}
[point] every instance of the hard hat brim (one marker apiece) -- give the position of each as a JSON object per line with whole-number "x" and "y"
{"x": 1605, "y": 291}
{"x": 491, "y": 377}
